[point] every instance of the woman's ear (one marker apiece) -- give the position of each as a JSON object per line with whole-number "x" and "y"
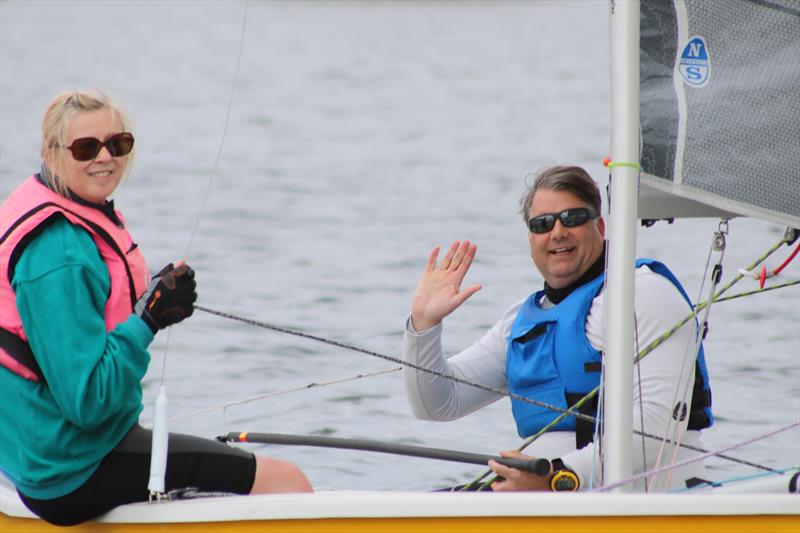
{"x": 50, "y": 162}
{"x": 47, "y": 157}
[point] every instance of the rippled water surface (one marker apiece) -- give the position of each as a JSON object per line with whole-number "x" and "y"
{"x": 361, "y": 135}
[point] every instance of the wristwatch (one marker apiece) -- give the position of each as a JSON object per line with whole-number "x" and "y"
{"x": 563, "y": 479}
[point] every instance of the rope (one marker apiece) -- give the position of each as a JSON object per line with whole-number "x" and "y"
{"x": 786, "y": 261}
{"x": 652, "y": 346}
{"x": 607, "y": 162}
{"x": 224, "y": 130}
{"x": 641, "y": 402}
{"x": 722, "y": 482}
{"x": 641, "y": 355}
{"x": 284, "y": 391}
{"x": 697, "y": 459}
{"x": 718, "y": 245}
{"x": 499, "y": 392}
{"x": 359, "y": 376}
{"x": 564, "y": 412}
{"x": 156, "y": 493}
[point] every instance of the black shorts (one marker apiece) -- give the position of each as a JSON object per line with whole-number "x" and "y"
{"x": 123, "y": 475}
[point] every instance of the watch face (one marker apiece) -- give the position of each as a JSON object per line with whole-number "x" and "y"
{"x": 564, "y": 480}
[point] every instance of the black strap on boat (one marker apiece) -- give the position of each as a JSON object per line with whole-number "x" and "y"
{"x": 584, "y": 429}
{"x": 693, "y": 482}
{"x": 701, "y": 399}
{"x": 20, "y": 351}
{"x": 194, "y": 493}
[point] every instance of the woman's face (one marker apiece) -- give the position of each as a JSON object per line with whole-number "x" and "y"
{"x": 93, "y": 180}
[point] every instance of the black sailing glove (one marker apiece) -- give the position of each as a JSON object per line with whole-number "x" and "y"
{"x": 169, "y": 298}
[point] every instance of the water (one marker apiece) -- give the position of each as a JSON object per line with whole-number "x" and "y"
{"x": 363, "y": 134}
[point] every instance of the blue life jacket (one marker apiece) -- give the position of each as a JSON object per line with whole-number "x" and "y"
{"x": 549, "y": 359}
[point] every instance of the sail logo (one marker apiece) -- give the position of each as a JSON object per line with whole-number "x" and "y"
{"x": 694, "y": 64}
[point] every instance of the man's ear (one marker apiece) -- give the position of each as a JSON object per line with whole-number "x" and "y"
{"x": 601, "y": 227}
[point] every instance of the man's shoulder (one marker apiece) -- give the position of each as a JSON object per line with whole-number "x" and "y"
{"x": 646, "y": 277}
{"x": 650, "y": 286}
{"x": 658, "y": 294}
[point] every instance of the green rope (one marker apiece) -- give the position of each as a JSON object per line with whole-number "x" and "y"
{"x": 572, "y": 411}
{"x": 607, "y": 162}
{"x": 628, "y": 164}
{"x": 699, "y": 307}
{"x": 755, "y": 291}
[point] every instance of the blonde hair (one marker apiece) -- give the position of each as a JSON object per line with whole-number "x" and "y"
{"x": 55, "y": 129}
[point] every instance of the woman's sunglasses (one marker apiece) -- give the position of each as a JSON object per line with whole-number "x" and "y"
{"x": 87, "y": 148}
{"x": 569, "y": 219}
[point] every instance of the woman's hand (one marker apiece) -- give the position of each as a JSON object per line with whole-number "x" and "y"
{"x": 438, "y": 292}
{"x": 169, "y": 298}
{"x": 517, "y": 480}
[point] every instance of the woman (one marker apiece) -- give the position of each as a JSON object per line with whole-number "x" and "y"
{"x": 76, "y": 317}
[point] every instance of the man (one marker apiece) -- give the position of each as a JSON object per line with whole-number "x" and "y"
{"x": 548, "y": 347}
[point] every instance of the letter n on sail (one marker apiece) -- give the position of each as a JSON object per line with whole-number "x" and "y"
{"x": 694, "y": 63}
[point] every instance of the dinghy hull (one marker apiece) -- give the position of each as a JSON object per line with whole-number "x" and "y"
{"x": 349, "y": 511}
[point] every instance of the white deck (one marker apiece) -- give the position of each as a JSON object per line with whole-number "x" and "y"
{"x": 356, "y": 504}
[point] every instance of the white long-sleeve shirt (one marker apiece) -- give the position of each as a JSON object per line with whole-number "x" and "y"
{"x": 658, "y": 307}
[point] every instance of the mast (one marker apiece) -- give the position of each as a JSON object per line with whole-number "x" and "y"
{"x": 619, "y": 296}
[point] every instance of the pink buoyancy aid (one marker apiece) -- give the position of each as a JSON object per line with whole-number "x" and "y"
{"x": 26, "y": 212}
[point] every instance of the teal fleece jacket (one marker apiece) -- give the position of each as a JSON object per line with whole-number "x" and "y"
{"x": 54, "y": 435}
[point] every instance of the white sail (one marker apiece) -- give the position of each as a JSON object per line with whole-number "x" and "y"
{"x": 720, "y": 109}
{"x": 706, "y": 98}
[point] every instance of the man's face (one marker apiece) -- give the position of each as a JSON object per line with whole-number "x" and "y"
{"x": 562, "y": 255}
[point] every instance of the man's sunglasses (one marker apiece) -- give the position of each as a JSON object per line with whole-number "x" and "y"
{"x": 87, "y": 148}
{"x": 569, "y": 219}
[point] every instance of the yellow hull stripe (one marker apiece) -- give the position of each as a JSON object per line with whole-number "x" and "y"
{"x": 595, "y": 524}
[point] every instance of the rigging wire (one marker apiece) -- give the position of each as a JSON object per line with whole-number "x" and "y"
{"x": 788, "y": 260}
{"x": 215, "y": 168}
{"x": 158, "y": 457}
{"x": 564, "y": 412}
{"x": 689, "y": 361}
{"x": 312, "y": 385}
{"x": 360, "y": 376}
{"x": 597, "y": 431}
{"x": 699, "y": 458}
{"x": 217, "y": 159}
{"x": 641, "y": 400}
{"x": 784, "y": 240}
{"x": 763, "y": 275}
{"x": 499, "y": 392}
{"x": 722, "y": 482}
